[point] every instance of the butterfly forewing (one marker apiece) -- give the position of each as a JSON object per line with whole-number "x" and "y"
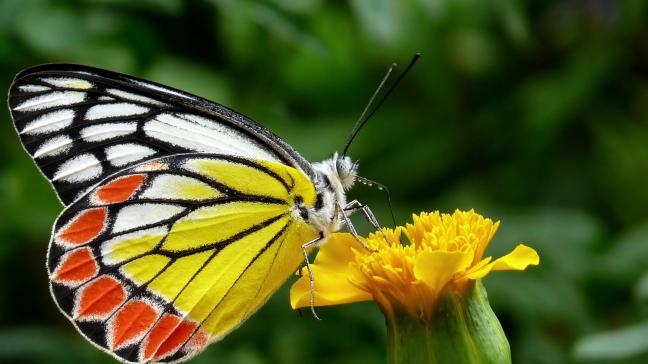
{"x": 81, "y": 124}
{"x": 164, "y": 257}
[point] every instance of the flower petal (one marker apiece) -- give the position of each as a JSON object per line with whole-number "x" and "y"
{"x": 483, "y": 244}
{"x": 330, "y": 273}
{"x": 337, "y": 252}
{"x": 331, "y": 288}
{"x": 519, "y": 259}
{"x": 436, "y": 268}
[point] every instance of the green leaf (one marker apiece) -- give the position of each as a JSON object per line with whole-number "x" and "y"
{"x": 627, "y": 257}
{"x": 641, "y": 289}
{"x": 625, "y": 343}
{"x": 531, "y": 299}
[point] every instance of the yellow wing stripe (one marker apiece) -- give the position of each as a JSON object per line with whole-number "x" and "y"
{"x": 129, "y": 246}
{"x": 233, "y": 309}
{"x": 217, "y": 223}
{"x": 207, "y": 289}
{"x": 300, "y": 184}
{"x": 240, "y": 177}
{"x": 174, "y": 279}
{"x": 264, "y": 276}
{"x": 171, "y": 186}
{"x": 144, "y": 269}
{"x": 286, "y": 261}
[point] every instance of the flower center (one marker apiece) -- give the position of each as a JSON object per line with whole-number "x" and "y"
{"x": 392, "y": 270}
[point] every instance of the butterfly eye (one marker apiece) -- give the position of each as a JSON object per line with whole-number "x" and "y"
{"x": 343, "y": 166}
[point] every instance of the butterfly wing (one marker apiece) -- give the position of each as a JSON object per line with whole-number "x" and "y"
{"x": 81, "y": 124}
{"x": 162, "y": 258}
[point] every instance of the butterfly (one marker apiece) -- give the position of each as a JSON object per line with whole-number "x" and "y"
{"x": 182, "y": 217}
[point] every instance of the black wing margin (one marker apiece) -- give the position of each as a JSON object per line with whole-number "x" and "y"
{"x": 81, "y": 124}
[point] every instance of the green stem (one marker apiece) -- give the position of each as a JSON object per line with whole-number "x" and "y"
{"x": 463, "y": 329}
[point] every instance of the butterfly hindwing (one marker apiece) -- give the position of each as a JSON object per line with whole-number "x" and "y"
{"x": 81, "y": 124}
{"x": 160, "y": 259}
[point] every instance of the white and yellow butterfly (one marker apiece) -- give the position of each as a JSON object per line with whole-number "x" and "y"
{"x": 181, "y": 216}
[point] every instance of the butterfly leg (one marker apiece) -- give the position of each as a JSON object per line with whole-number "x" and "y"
{"x": 356, "y": 205}
{"x": 352, "y": 229}
{"x": 305, "y": 248}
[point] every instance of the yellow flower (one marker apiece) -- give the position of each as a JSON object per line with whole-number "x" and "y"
{"x": 438, "y": 252}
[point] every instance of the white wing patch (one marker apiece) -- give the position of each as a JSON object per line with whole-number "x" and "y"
{"x": 53, "y": 99}
{"x": 200, "y": 134}
{"x": 33, "y": 88}
{"x": 168, "y": 186}
{"x": 113, "y": 110}
{"x": 101, "y": 132}
{"x": 54, "y": 146}
{"x": 68, "y": 82}
{"x": 49, "y": 122}
{"x": 123, "y": 154}
{"x": 109, "y": 247}
{"x": 134, "y": 216}
{"x": 82, "y": 168}
{"x": 134, "y": 97}
{"x": 163, "y": 90}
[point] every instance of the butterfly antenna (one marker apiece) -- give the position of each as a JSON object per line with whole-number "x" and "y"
{"x": 363, "y": 120}
{"x": 356, "y": 127}
{"x": 380, "y": 187}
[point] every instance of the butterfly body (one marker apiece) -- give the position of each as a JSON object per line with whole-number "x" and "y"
{"x": 334, "y": 177}
{"x": 182, "y": 217}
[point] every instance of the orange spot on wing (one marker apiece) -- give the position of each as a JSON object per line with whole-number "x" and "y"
{"x": 167, "y": 337}
{"x": 76, "y": 267}
{"x": 131, "y": 323}
{"x": 121, "y": 189}
{"x": 159, "y": 333}
{"x": 174, "y": 341}
{"x": 100, "y": 298}
{"x": 84, "y": 227}
{"x": 198, "y": 341}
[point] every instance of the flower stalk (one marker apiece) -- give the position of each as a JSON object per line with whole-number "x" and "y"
{"x": 462, "y": 329}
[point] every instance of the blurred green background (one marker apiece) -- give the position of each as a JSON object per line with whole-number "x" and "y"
{"x": 532, "y": 112}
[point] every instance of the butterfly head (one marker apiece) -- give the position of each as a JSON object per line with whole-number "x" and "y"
{"x": 334, "y": 177}
{"x": 346, "y": 170}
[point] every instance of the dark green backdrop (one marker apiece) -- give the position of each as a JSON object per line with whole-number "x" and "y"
{"x": 532, "y": 112}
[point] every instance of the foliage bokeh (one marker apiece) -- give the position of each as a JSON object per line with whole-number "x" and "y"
{"x": 532, "y": 112}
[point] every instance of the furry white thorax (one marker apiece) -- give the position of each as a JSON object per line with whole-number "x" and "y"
{"x": 334, "y": 177}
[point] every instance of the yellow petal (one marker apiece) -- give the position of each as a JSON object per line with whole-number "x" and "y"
{"x": 337, "y": 252}
{"x": 330, "y": 273}
{"x": 480, "y": 271}
{"x": 331, "y": 288}
{"x": 483, "y": 244}
{"x": 436, "y": 268}
{"x": 519, "y": 259}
